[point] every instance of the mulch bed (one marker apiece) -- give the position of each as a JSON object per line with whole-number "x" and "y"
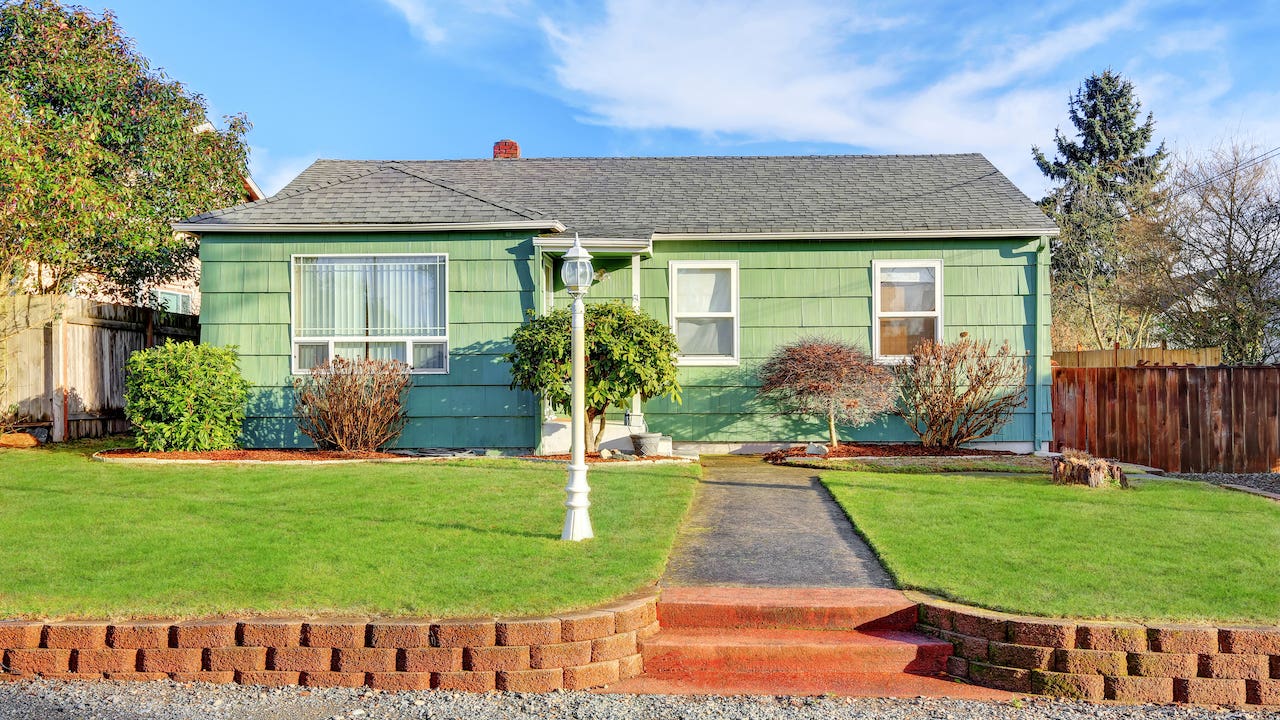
{"x": 853, "y": 450}
{"x": 260, "y": 455}
{"x": 594, "y": 458}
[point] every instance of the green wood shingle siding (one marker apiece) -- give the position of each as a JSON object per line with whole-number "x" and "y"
{"x": 993, "y": 289}
{"x": 492, "y": 280}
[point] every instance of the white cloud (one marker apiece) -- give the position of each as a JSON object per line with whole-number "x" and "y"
{"x": 421, "y": 20}
{"x": 806, "y": 71}
{"x": 1204, "y": 39}
{"x": 272, "y": 173}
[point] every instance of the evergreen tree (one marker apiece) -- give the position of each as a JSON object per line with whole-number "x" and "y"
{"x": 1106, "y": 191}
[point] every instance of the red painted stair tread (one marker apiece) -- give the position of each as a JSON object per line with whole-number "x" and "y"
{"x": 772, "y": 650}
{"x": 815, "y": 608}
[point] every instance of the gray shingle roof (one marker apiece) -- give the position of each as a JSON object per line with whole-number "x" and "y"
{"x": 634, "y": 197}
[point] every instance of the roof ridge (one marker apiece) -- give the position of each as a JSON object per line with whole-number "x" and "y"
{"x": 285, "y": 194}
{"x": 527, "y": 213}
{"x": 669, "y": 157}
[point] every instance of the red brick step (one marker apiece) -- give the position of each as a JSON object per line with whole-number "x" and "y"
{"x": 775, "y": 650}
{"x": 798, "y": 608}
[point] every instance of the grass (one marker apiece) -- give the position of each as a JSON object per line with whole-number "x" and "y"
{"x": 445, "y": 539}
{"x": 1164, "y": 550}
{"x": 920, "y": 465}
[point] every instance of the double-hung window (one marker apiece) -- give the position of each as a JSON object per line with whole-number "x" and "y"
{"x": 704, "y": 311}
{"x": 381, "y": 307}
{"x": 907, "y": 298}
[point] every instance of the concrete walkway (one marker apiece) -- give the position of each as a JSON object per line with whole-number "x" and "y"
{"x": 759, "y": 525}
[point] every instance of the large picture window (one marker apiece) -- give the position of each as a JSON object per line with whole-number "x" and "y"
{"x": 704, "y": 311}
{"x": 382, "y": 307}
{"x": 907, "y": 299}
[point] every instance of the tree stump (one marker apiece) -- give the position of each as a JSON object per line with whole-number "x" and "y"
{"x": 1077, "y": 468}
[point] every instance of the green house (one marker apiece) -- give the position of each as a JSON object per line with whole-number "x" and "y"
{"x": 436, "y": 262}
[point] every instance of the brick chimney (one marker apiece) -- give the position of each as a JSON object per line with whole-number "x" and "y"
{"x": 506, "y": 150}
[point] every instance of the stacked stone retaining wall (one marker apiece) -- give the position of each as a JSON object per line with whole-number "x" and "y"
{"x": 568, "y": 651}
{"x": 1092, "y": 660}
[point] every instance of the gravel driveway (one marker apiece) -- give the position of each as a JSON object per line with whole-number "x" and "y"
{"x": 40, "y": 700}
{"x": 1270, "y": 482}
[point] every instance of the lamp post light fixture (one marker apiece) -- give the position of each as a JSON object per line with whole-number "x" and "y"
{"x": 577, "y": 274}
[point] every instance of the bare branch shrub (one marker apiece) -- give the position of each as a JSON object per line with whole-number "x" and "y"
{"x": 829, "y": 379}
{"x": 352, "y": 405}
{"x": 954, "y": 393}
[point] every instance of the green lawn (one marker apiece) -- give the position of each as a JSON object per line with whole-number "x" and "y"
{"x": 1165, "y": 550}
{"x": 458, "y": 538}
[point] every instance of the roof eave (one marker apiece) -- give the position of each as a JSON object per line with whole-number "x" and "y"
{"x": 865, "y": 234}
{"x": 530, "y": 225}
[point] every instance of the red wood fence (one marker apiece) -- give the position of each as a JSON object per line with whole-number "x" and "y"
{"x": 1181, "y": 419}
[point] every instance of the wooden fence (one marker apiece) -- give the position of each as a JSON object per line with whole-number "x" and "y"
{"x": 1181, "y": 419}
{"x": 65, "y": 359}
{"x": 1134, "y": 357}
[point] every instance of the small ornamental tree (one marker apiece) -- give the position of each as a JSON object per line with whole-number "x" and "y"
{"x": 628, "y": 353}
{"x": 954, "y": 393}
{"x": 183, "y": 396}
{"x": 826, "y": 378}
{"x": 352, "y": 405}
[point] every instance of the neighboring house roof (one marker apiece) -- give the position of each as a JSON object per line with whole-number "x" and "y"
{"x": 640, "y": 197}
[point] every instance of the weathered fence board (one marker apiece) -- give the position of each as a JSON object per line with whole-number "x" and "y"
{"x": 65, "y": 359}
{"x": 1133, "y": 357}
{"x": 1182, "y": 419}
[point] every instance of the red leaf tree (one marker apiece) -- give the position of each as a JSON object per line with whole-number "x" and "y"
{"x": 830, "y": 379}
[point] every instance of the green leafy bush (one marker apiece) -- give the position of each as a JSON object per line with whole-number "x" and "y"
{"x": 183, "y": 396}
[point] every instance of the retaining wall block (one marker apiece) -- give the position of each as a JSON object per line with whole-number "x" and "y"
{"x": 365, "y": 660}
{"x": 1042, "y": 632}
{"x": 527, "y": 632}
{"x": 591, "y": 675}
{"x": 530, "y": 681}
{"x": 633, "y": 615}
{"x": 1235, "y": 667}
{"x": 464, "y": 681}
{"x": 204, "y": 634}
{"x": 630, "y": 666}
{"x": 1183, "y": 639}
{"x": 219, "y": 677}
{"x": 560, "y": 655}
{"x": 966, "y": 646}
{"x": 104, "y": 660}
{"x": 1121, "y": 637}
{"x": 334, "y": 634}
{"x": 1077, "y": 687}
{"x": 942, "y": 618}
{"x": 464, "y": 633}
{"x": 1029, "y": 657}
{"x": 19, "y": 634}
{"x": 431, "y": 659}
{"x": 400, "y": 681}
{"x": 1091, "y": 662}
{"x": 613, "y": 647}
{"x": 1000, "y": 678}
{"x": 1140, "y": 689}
{"x": 1209, "y": 691}
{"x": 496, "y": 658}
{"x": 1250, "y": 641}
{"x": 981, "y": 624}
{"x": 957, "y": 666}
{"x": 399, "y": 634}
{"x": 268, "y": 678}
{"x": 301, "y": 659}
{"x": 236, "y": 658}
{"x": 170, "y": 660}
{"x": 333, "y": 679}
{"x": 30, "y": 661}
{"x": 1168, "y": 665}
{"x": 139, "y": 635}
{"x": 589, "y": 625}
{"x": 75, "y": 635}
{"x": 269, "y": 633}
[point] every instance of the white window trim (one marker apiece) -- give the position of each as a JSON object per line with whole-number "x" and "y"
{"x": 876, "y": 314}
{"x": 295, "y": 340}
{"x": 735, "y": 312}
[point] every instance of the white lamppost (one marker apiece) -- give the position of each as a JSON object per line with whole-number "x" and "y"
{"x": 577, "y": 274}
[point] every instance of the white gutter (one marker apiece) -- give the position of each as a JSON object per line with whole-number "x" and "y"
{"x": 624, "y": 245}
{"x": 198, "y": 228}
{"x": 861, "y": 234}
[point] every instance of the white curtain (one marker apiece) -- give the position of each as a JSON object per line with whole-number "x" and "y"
{"x": 370, "y": 297}
{"x": 703, "y": 290}
{"x": 907, "y": 289}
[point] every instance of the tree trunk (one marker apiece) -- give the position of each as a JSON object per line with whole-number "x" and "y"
{"x": 591, "y": 438}
{"x": 831, "y": 428}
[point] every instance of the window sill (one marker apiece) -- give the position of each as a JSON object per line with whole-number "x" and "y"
{"x": 707, "y": 362}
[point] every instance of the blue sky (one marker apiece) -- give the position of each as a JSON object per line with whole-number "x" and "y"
{"x": 415, "y": 79}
